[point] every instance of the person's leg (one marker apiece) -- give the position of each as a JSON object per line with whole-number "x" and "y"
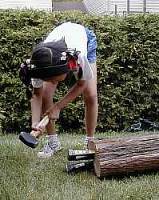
{"x": 36, "y": 101}
{"x": 91, "y": 104}
{"x": 53, "y": 144}
{"x": 47, "y": 102}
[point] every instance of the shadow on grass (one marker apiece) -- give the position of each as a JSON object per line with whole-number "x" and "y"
{"x": 121, "y": 177}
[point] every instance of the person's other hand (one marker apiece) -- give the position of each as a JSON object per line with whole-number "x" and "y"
{"x": 35, "y": 127}
{"x": 53, "y": 112}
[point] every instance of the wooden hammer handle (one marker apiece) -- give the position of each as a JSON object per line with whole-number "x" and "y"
{"x": 42, "y": 123}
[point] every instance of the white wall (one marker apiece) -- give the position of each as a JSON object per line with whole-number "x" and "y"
{"x": 153, "y": 6}
{"x": 108, "y": 6}
{"x": 34, "y": 4}
{"x": 136, "y": 5}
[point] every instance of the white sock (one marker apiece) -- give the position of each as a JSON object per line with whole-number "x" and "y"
{"x": 53, "y": 138}
{"x": 88, "y": 138}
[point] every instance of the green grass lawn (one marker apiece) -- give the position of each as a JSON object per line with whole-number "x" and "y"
{"x": 23, "y": 176}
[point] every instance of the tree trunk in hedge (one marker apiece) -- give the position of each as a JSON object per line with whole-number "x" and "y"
{"x": 119, "y": 156}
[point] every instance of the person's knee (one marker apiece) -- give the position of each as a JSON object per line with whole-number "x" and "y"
{"x": 48, "y": 91}
{"x": 37, "y": 92}
{"x": 91, "y": 100}
{"x": 47, "y": 99}
{"x": 47, "y": 96}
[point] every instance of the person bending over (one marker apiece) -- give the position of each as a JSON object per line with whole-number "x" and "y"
{"x": 70, "y": 47}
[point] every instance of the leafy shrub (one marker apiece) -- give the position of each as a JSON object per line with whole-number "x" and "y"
{"x": 128, "y": 72}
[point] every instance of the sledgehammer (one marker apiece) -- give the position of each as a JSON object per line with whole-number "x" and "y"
{"x": 31, "y": 139}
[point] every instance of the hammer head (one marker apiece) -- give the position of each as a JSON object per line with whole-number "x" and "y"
{"x": 28, "y": 139}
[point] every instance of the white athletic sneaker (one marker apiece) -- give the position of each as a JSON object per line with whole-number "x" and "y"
{"x": 49, "y": 150}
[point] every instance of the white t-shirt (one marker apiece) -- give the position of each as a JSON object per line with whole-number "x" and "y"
{"x": 76, "y": 38}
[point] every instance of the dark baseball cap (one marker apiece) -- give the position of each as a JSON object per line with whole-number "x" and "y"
{"x": 49, "y": 59}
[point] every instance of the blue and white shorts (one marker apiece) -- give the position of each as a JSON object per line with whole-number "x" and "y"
{"x": 91, "y": 45}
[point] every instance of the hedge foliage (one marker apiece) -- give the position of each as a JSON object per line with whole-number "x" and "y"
{"x": 128, "y": 67}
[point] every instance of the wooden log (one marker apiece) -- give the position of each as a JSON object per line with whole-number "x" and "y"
{"x": 120, "y": 156}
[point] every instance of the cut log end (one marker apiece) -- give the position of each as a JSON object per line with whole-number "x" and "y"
{"x": 97, "y": 168}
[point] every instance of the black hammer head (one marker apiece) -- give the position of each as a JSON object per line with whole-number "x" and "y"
{"x": 28, "y": 139}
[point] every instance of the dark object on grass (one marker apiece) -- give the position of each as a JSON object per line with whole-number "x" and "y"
{"x": 77, "y": 166}
{"x": 84, "y": 154}
{"x": 143, "y": 125}
{"x": 80, "y": 160}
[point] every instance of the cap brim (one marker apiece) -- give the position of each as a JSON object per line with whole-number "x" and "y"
{"x": 47, "y": 72}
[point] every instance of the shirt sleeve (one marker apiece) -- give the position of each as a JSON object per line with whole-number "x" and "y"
{"x": 55, "y": 35}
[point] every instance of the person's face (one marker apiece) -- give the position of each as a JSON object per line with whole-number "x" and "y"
{"x": 56, "y": 79}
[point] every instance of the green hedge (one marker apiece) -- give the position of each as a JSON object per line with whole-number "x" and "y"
{"x": 128, "y": 67}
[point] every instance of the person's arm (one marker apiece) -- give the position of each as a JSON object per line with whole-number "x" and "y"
{"x": 74, "y": 92}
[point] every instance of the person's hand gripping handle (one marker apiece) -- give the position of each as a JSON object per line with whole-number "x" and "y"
{"x": 40, "y": 127}
{"x": 31, "y": 139}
